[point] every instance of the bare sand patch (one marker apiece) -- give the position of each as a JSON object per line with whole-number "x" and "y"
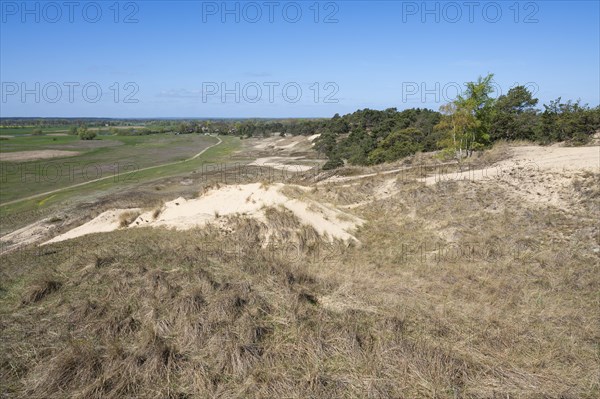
{"x": 537, "y": 175}
{"x": 20, "y": 156}
{"x": 105, "y": 222}
{"x": 528, "y": 160}
{"x": 540, "y": 176}
{"x": 249, "y": 200}
{"x": 25, "y": 236}
{"x": 283, "y": 144}
{"x": 288, "y": 145}
{"x": 279, "y": 163}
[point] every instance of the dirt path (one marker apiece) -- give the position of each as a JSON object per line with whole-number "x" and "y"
{"x": 110, "y": 177}
{"x": 342, "y": 179}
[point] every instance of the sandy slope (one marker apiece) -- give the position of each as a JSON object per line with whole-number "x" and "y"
{"x": 281, "y": 163}
{"x": 529, "y": 159}
{"x": 105, "y": 222}
{"x": 249, "y": 200}
{"x": 24, "y": 236}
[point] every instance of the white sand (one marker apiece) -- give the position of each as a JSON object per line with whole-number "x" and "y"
{"x": 24, "y": 236}
{"x": 284, "y": 143}
{"x": 247, "y": 200}
{"x": 105, "y": 222}
{"x": 279, "y": 163}
{"x": 530, "y": 159}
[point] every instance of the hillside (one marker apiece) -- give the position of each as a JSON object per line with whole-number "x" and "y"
{"x": 441, "y": 282}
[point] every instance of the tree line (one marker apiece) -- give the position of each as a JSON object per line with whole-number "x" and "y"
{"x": 473, "y": 121}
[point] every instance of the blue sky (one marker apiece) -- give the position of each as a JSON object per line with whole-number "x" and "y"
{"x": 175, "y": 58}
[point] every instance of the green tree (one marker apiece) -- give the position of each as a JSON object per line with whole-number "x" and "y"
{"x": 514, "y": 115}
{"x": 460, "y": 124}
{"x": 356, "y": 147}
{"x": 396, "y": 145}
{"x": 566, "y": 121}
{"x": 334, "y": 162}
{"x": 467, "y": 119}
{"x": 326, "y": 143}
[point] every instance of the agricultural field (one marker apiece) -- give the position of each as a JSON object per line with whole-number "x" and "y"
{"x": 36, "y": 164}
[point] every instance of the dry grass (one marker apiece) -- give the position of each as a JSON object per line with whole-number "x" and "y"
{"x": 39, "y": 289}
{"x": 156, "y": 212}
{"x": 458, "y": 290}
{"x": 126, "y": 218}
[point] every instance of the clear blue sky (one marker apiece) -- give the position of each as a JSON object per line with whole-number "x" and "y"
{"x": 377, "y": 55}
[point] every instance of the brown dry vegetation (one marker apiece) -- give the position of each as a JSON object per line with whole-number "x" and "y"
{"x": 457, "y": 290}
{"x": 126, "y": 218}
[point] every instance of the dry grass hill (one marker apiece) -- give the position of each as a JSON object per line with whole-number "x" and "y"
{"x": 407, "y": 280}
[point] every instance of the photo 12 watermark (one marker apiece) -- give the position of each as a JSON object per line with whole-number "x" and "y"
{"x": 71, "y": 92}
{"x": 453, "y": 12}
{"x": 271, "y": 92}
{"x": 68, "y": 171}
{"x": 253, "y": 12}
{"x": 432, "y": 252}
{"x": 445, "y": 92}
{"x": 52, "y": 12}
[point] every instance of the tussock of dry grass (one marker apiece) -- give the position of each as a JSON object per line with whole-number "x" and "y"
{"x": 157, "y": 210}
{"x": 39, "y": 289}
{"x": 126, "y": 218}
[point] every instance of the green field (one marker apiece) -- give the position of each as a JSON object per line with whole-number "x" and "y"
{"x": 115, "y": 161}
{"x": 28, "y": 130}
{"x": 16, "y": 131}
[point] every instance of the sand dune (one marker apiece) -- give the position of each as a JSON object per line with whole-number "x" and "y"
{"x": 249, "y": 200}
{"x": 532, "y": 159}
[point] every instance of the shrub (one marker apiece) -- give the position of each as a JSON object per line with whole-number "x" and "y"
{"x": 85, "y": 134}
{"x": 333, "y": 163}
